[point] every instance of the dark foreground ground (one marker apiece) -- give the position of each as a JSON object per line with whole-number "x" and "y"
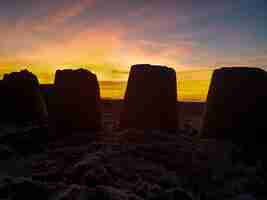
{"x": 115, "y": 164}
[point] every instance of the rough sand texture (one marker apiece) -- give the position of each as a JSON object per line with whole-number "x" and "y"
{"x": 133, "y": 164}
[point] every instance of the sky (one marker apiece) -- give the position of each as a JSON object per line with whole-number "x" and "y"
{"x": 107, "y": 37}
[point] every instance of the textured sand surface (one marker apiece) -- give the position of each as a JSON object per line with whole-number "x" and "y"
{"x": 132, "y": 164}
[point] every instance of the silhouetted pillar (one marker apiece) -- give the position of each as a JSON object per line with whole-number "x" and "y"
{"x": 150, "y": 100}
{"x": 74, "y": 102}
{"x": 236, "y": 104}
{"x": 21, "y": 99}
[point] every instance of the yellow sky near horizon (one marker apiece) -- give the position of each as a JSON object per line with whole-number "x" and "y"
{"x": 191, "y": 91}
{"x": 192, "y": 85}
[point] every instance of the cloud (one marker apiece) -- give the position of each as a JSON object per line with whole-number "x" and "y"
{"x": 45, "y": 23}
{"x": 45, "y": 16}
{"x": 51, "y": 38}
{"x": 59, "y": 15}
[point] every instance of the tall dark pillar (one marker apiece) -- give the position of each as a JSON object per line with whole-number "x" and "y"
{"x": 150, "y": 101}
{"x": 236, "y": 104}
{"x": 75, "y": 101}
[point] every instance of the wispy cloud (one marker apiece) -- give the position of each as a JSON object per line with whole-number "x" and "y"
{"x": 114, "y": 42}
{"x": 60, "y": 15}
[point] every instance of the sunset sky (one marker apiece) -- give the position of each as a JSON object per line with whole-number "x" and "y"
{"x": 107, "y": 37}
